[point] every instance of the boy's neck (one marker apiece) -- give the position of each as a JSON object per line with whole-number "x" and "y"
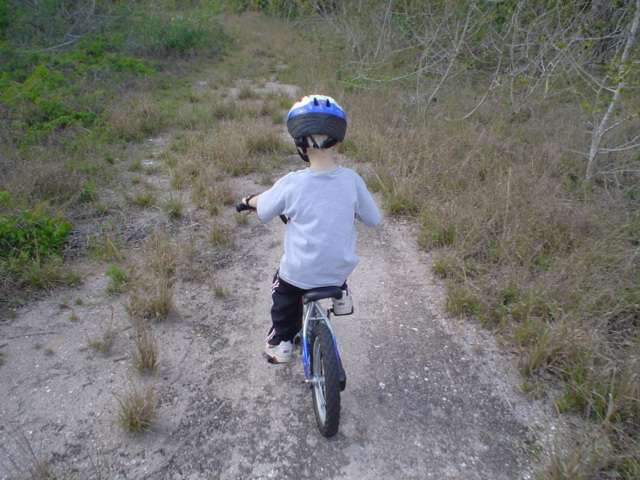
{"x": 320, "y": 160}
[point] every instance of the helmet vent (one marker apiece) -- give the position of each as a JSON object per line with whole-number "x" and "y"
{"x": 328, "y": 103}
{"x": 315, "y": 101}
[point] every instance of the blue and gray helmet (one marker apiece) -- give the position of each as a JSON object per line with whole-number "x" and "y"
{"x": 316, "y": 115}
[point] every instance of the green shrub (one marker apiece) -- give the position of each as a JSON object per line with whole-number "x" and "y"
{"x": 32, "y": 234}
{"x": 88, "y": 193}
{"x": 118, "y": 279}
{"x": 177, "y": 35}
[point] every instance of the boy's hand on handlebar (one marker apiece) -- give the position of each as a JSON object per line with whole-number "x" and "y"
{"x": 244, "y": 204}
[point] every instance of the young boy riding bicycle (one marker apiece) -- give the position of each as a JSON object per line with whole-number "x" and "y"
{"x": 321, "y": 204}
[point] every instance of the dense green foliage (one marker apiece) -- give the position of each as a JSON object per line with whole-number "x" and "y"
{"x": 48, "y": 89}
{"x": 32, "y": 234}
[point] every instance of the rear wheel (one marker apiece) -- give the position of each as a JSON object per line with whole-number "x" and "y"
{"x": 325, "y": 375}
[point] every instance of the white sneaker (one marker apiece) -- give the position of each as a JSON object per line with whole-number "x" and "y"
{"x": 281, "y": 353}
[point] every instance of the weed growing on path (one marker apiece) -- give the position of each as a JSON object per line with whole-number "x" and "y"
{"x": 241, "y": 218}
{"x": 219, "y": 291}
{"x": 137, "y": 409}
{"x": 142, "y": 199}
{"x": 160, "y": 254}
{"x": 173, "y": 208}
{"x": 145, "y": 356}
{"x": 151, "y": 300}
{"x": 118, "y": 279}
{"x": 220, "y": 235}
{"x": 103, "y": 342}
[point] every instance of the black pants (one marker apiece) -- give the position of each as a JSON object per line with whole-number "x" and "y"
{"x": 286, "y": 311}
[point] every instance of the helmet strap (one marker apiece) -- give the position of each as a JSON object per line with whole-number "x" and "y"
{"x": 303, "y": 154}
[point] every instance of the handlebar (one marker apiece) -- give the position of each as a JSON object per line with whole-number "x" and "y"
{"x": 240, "y": 207}
{"x": 243, "y": 206}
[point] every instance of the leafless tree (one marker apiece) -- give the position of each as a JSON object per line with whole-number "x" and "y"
{"x": 609, "y": 92}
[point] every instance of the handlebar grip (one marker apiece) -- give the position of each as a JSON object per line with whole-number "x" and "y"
{"x": 243, "y": 206}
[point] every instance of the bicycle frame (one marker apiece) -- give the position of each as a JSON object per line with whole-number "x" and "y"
{"x": 313, "y": 313}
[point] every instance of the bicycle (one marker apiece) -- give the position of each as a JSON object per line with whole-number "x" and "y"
{"x": 321, "y": 361}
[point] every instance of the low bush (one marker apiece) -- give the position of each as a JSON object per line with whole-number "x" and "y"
{"x": 31, "y": 243}
{"x": 32, "y": 234}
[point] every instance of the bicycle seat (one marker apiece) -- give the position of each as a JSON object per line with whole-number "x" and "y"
{"x": 322, "y": 292}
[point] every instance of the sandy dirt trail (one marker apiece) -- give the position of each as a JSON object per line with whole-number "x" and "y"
{"x": 427, "y": 396}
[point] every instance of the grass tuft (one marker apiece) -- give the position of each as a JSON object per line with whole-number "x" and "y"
{"x": 118, "y": 280}
{"x": 145, "y": 357}
{"x": 173, "y": 208}
{"x": 103, "y": 247}
{"x": 137, "y": 409}
{"x": 241, "y": 219}
{"x": 103, "y": 342}
{"x": 264, "y": 143}
{"x": 220, "y": 235}
{"x": 142, "y": 199}
{"x": 153, "y": 300}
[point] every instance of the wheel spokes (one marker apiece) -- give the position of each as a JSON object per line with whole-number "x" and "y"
{"x": 319, "y": 389}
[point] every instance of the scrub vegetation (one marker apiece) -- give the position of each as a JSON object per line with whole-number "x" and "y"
{"x": 77, "y": 81}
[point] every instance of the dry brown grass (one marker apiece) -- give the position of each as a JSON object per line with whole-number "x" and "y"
{"x": 104, "y": 246}
{"x": 134, "y": 116}
{"x": 531, "y": 251}
{"x": 235, "y": 147}
{"x": 145, "y": 356}
{"x": 42, "y": 178}
{"x": 152, "y": 285}
{"x": 210, "y": 193}
{"x": 221, "y": 235}
{"x": 151, "y": 298}
{"x": 102, "y": 343}
{"x": 137, "y": 409}
{"x": 159, "y": 253}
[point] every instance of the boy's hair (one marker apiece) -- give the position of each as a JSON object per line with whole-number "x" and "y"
{"x": 319, "y": 140}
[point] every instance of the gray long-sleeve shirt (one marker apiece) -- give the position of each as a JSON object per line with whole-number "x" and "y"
{"x": 320, "y": 239}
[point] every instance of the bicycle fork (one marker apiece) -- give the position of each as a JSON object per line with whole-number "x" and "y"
{"x": 313, "y": 314}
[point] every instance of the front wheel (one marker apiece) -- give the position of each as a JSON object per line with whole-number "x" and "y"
{"x": 325, "y": 375}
